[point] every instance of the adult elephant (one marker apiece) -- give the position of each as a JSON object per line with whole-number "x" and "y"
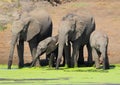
{"x": 75, "y": 28}
{"x": 33, "y": 27}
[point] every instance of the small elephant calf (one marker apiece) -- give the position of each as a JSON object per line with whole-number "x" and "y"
{"x": 99, "y": 44}
{"x": 48, "y": 45}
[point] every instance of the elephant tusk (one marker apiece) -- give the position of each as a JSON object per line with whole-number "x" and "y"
{"x": 66, "y": 43}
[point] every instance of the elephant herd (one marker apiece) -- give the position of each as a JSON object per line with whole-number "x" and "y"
{"x": 75, "y": 31}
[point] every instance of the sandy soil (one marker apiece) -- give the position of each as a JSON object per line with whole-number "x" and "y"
{"x": 107, "y": 17}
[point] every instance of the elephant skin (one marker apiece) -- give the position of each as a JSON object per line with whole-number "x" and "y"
{"x": 32, "y": 27}
{"x": 99, "y": 44}
{"x": 48, "y": 46}
{"x": 76, "y": 29}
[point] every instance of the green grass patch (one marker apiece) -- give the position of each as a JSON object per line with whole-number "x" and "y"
{"x": 2, "y": 28}
{"x": 63, "y": 76}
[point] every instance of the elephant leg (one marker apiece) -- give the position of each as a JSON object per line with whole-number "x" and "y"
{"x": 75, "y": 55}
{"x": 90, "y": 59}
{"x": 96, "y": 58}
{"x": 51, "y": 59}
{"x": 67, "y": 54}
{"x": 33, "y": 49}
{"x": 64, "y": 60}
{"x": 106, "y": 63}
{"x": 105, "y": 60}
{"x": 81, "y": 56}
{"x": 20, "y": 49}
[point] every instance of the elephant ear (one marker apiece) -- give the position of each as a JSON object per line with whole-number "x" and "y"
{"x": 33, "y": 28}
{"x": 80, "y": 27}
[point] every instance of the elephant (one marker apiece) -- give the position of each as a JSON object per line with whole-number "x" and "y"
{"x": 32, "y": 27}
{"x": 50, "y": 47}
{"x": 47, "y": 46}
{"x": 99, "y": 44}
{"x": 75, "y": 29}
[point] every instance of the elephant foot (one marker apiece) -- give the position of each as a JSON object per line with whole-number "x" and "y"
{"x": 9, "y": 67}
{"x": 9, "y": 64}
{"x": 56, "y": 67}
{"x": 89, "y": 64}
{"x": 98, "y": 67}
{"x": 36, "y": 63}
{"x": 106, "y": 67}
{"x": 21, "y": 66}
{"x": 27, "y": 64}
{"x": 80, "y": 64}
{"x": 72, "y": 65}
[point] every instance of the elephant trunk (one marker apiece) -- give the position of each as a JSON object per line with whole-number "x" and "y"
{"x": 38, "y": 53}
{"x": 13, "y": 42}
{"x": 62, "y": 41}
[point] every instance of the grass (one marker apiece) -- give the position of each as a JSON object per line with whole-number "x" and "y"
{"x": 50, "y": 76}
{"x": 2, "y": 28}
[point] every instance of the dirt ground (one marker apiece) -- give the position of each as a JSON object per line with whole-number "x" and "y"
{"x": 105, "y": 12}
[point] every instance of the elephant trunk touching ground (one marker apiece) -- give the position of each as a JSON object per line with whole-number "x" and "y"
{"x": 33, "y": 27}
{"x": 12, "y": 47}
{"x": 75, "y": 29}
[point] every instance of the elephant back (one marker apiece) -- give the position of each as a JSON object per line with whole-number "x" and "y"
{"x": 40, "y": 23}
{"x": 41, "y": 15}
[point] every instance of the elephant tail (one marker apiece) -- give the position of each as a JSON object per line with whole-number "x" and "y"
{"x": 93, "y": 26}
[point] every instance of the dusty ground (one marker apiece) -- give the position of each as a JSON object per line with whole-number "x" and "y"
{"x": 107, "y": 17}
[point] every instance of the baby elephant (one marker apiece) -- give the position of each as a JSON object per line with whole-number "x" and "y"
{"x": 99, "y": 44}
{"x": 48, "y": 45}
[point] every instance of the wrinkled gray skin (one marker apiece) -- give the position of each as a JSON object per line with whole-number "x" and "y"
{"x": 48, "y": 45}
{"x": 75, "y": 29}
{"x": 99, "y": 44}
{"x": 32, "y": 27}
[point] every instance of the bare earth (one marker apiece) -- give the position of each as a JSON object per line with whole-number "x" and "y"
{"x": 107, "y": 17}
